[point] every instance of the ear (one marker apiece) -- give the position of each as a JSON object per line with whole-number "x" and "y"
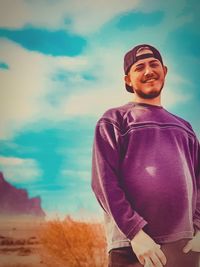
{"x": 127, "y": 80}
{"x": 165, "y": 70}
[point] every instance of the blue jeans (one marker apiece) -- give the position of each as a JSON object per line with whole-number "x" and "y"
{"x": 125, "y": 257}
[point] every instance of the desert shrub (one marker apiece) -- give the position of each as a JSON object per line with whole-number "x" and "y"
{"x": 73, "y": 243}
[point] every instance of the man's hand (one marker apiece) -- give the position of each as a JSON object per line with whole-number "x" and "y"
{"x": 194, "y": 244}
{"x": 147, "y": 251}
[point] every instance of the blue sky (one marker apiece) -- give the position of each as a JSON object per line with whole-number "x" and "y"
{"x": 61, "y": 67}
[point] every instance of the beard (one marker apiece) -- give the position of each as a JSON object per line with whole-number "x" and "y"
{"x": 151, "y": 95}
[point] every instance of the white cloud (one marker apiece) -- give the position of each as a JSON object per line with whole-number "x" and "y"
{"x": 14, "y": 13}
{"x": 91, "y": 15}
{"x": 84, "y": 17}
{"x": 25, "y": 84}
{"x": 79, "y": 174}
{"x": 171, "y": 97}
{"x": 174, "y": 92}
{"x": 94, "y": 101}
{"x": 19, "y": 169}
{"x": 78, "y": 16}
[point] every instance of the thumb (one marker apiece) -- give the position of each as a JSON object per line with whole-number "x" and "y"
{"x": 188, "y": 247}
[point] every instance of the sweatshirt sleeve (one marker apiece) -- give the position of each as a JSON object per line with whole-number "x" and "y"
{"x": 106, "y": 179}
{"x": 196, "y": 218}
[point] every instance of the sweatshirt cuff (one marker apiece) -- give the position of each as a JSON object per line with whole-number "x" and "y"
{"x": 136, "y": 229}
{"x": 196, "y": 224}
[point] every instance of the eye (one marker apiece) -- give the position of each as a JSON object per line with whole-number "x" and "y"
{"x": 139, "y": 68}
{"x": 154, "y": 65}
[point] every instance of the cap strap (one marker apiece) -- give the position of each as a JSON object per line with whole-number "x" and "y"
{"x": 144, "y": 56}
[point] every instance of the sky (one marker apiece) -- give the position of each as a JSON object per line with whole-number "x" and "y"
{"x": 61, "y": 68}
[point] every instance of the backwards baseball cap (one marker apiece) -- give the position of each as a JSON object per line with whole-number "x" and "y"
{"x": 131, "y": 57}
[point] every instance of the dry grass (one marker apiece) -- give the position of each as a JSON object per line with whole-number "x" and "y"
{"x": 55, "y": 243}
{"x": 73, "y": 243}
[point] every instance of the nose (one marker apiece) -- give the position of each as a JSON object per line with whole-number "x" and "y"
{"x": 148, "y": 71}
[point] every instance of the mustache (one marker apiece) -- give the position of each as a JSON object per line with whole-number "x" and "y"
{"x": 153, "y": 76}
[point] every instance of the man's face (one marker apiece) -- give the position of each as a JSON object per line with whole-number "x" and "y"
{"x": 147, "y": 76}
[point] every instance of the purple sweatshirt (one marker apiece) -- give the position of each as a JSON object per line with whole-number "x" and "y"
{"x": 146, "y": 174}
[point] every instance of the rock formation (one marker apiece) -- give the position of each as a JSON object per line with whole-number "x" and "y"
{"x": 14, "y": 201}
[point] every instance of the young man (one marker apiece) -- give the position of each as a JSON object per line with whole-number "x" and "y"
{"x": 146, "y": 173}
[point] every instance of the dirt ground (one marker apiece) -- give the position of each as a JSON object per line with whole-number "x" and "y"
{"x": 19, "y": 242}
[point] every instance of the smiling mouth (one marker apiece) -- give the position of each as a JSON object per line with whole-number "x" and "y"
{"x": 150, "y": 80}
